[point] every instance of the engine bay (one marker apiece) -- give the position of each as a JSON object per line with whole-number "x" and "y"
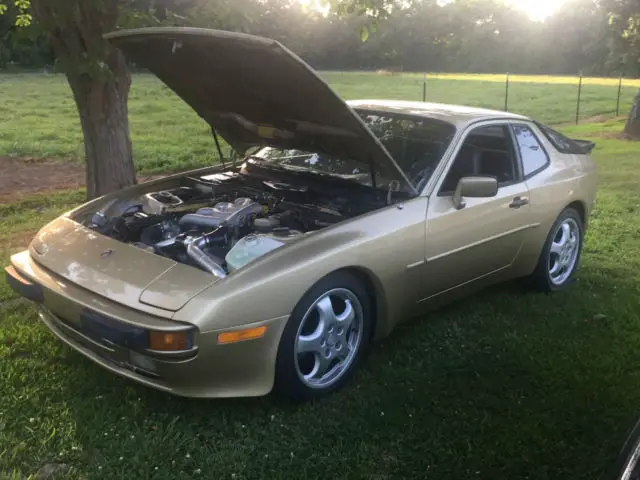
{"x": 220, "y": 222}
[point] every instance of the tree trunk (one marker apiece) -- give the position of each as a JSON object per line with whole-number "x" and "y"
{"x": 102, "y": 106}
{"x": 100, "y": 81}
{"x": 632, "y": 128}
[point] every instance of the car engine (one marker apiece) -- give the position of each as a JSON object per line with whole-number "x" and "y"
{"x": 223, "y": 221}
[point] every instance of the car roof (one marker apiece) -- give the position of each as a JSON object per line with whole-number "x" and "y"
{"x": 458, "y": 115}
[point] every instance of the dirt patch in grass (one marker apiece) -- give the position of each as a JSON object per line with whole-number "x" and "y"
{"x": 594, "y": 119}
{"x": 23, "y": 176}
{"x": 598, "y": 118}
{"x": 613, "y": 135}
{"x": 18, "y": 240}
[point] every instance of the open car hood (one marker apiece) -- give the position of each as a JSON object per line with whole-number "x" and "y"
{"x": 255, "y": 92}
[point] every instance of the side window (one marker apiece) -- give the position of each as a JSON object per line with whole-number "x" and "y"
{"x": 533, "y": 156}
{"x": 486, "y": 151}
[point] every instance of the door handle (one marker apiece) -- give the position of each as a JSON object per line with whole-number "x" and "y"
{"x": 518, "y": 202}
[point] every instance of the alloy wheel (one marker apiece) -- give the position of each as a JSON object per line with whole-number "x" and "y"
{"x": 328, "y": 338}
{"x": 563, "y": 254}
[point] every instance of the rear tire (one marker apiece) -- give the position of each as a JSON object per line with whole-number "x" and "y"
{"x": 560, "y": 256}
{"x": 324, "y": 339}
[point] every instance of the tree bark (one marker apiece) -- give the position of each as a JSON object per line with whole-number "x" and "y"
{"x": 102, "y": 106}
{"x": 632, "y": 128}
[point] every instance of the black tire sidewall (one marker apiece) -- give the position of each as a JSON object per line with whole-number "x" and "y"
{"x": 287, "y": 381}
{"x": 542, "y": 270}
{"x": 631, "y": 445}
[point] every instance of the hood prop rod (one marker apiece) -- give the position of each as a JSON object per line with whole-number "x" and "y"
{"x": 372, "y": 171}
{"x": 217, "y": 141}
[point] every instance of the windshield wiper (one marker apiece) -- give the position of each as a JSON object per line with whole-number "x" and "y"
{"x": 292, "y": 169}
{"x": 300, "y": 171}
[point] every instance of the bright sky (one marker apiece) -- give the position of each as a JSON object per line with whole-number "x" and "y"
{"x": 536, "y": 9}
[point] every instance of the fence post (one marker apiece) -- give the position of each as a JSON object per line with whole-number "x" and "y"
{"x": 424, "y": 87}
{"x": 506, "y": 95}
{"x": 619, "y": 92}
{"x": 578, "y": 103}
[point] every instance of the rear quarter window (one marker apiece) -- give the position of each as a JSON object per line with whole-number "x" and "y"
{"x": 534, "y": 157}
{"x": 560, "y": 142}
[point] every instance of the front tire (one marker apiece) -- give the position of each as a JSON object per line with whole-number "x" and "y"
{"x": 324, "y": 339}
{"x": 627, "y": 466}
{"x": 560, "y": 256}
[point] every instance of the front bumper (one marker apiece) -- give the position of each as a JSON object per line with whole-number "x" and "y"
{"x": 239, "y": 369}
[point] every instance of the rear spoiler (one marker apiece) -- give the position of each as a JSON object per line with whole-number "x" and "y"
{"x": 586, "y": 146}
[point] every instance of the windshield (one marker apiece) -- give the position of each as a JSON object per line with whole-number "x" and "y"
{"x": 415, "y": 143}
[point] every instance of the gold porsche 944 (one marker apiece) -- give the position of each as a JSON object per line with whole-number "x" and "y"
{"x": 334, "y": 222}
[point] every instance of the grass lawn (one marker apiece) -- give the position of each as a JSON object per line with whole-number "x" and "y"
{"x": 38, "y": 117}
{"x": 503, "y": 385}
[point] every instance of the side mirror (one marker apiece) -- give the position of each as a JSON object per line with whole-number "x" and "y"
{"x": 474, "y": 187}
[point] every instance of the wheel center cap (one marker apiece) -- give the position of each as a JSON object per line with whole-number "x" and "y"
{"x": 331, "y": 340}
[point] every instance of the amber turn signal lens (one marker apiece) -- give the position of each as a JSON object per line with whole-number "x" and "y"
{"x": 14, "y": 273}
{"x": 240, "y": 335}
{"x": 168, "y": 341}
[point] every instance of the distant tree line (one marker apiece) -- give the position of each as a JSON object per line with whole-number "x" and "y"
{"x": 460, "y": 36}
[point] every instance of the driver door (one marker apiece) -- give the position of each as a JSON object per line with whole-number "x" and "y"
{"x": 484, "y": 237}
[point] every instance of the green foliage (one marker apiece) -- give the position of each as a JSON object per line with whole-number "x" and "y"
{"x": 65, "y": 23}
{"x": 479, "y": 35}
{"x": 368, "y": 8}
{"x": 364, "y": 33}
{"x": 24, "y": 18}
{"x": 416, "y": 35}
{"x": 624, "y": 20}
{"x": 23, "y": 46}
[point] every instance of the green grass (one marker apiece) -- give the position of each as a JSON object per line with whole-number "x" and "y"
{"x": 503, "y": 385}
{"x": 39, "y": 118}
